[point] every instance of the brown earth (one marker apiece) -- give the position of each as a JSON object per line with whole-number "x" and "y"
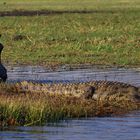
{"x": 49, "y": 12}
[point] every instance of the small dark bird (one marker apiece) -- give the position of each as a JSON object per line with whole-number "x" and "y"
{"x": 3, "y": 71}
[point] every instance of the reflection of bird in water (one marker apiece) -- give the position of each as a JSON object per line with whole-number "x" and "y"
{"x": 3, "y": 71}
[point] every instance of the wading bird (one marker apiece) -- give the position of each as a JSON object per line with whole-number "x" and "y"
{"x": 3, "y": 71}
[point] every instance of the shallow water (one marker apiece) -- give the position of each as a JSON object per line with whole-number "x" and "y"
{"x": 124, "y": 127}
{"x": 108, "y": 128}
{"x": 40, "y": 74}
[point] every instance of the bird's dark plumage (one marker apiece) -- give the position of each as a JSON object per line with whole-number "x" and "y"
{"x": 3, "y": 71}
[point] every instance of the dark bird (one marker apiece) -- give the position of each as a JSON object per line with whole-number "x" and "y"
{"x": 3, "y": 71}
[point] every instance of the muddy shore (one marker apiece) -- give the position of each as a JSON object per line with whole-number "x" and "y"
{"x": 49, "y": 12}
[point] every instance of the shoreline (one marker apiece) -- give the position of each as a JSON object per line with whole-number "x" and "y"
{"x": 45, "y": 12}
{"x": 70, "y": 67}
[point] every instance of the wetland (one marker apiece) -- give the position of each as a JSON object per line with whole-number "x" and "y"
{"x": 63, "y": 41}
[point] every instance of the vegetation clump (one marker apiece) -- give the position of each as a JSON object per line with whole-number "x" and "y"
{"x": 40, "y": 108}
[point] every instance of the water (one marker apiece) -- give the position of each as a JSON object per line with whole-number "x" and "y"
{"x": 108, "y": 128}
{"x": 125, "y": 127}
{"x": 40, "y": 74}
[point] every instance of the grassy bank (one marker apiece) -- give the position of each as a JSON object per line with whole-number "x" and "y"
{"x": 38, "y": 109}
{"x": 109, "y": 36}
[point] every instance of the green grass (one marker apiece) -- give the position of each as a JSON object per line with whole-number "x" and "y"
{"x": 6, "y": 5}
{"x": 99, "y": 38}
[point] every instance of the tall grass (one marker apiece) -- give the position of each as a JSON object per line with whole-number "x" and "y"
{"x": 34, "y": 109}
{"x": 40, "y": 108}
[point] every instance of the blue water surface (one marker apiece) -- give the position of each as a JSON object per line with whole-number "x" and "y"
{"x": 107, "y": 128}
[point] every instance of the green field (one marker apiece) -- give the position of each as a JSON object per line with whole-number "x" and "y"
{"x": 110, "y": 35}
{"x": 6, "y": 5}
